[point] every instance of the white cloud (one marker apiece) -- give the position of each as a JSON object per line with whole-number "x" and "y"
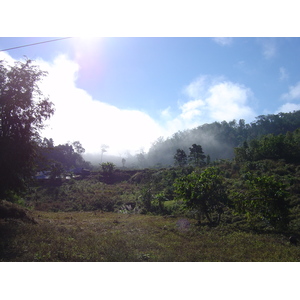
{"x": 294, "y": 92}
{"x": 269, "y": 48}
{"x": 223, "y": 41}
{"x": 166, "y": 113}
{"x": 283, "y": 74}
{"x": 228, "y": 101}
{"x": 288, "y": 107}
{"x": 192, "y": 109}
{"x": 196, "y": 88}
{"x": 80, "y": 117}
{"x": 213, "y": 99}
{"x": 6, "y": 58}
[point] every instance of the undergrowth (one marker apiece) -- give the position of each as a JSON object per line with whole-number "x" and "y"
{"x": 141, "y": 220}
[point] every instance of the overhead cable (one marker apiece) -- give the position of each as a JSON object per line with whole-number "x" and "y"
{"x": 48, "y": 41}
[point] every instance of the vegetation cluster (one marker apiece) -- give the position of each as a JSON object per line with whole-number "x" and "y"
{"x": 234, "y": 197}
{"x": 219, "y": 139}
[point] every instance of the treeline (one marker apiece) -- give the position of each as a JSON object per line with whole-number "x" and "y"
{"x": 219, "y": 139}
{"x": 271, "y": 146}
{"x": 61, "y": 158}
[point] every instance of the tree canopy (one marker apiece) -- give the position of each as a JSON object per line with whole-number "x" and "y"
{"x": 68, "y": 155}
{"x": 23, "y": 109}
{"x": 219, "y": 139}
{"x": 270, "y": 146}
{"x": 180, "y": 158}
{"x": 196, "y": 155}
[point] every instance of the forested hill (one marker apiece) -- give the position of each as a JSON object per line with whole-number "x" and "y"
{"x": 218, "y": 140}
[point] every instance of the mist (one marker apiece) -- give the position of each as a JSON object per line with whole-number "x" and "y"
{"x": 162, "y": 152}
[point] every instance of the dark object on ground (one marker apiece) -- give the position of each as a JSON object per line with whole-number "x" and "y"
{"x": 293, "y": 240}
{"x": 10, "y": 210}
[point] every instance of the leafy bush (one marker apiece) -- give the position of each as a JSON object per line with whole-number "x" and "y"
{"x": 107, "y": 168}
{"x": 204, "y": 192}
{"x": 263, "y": 199}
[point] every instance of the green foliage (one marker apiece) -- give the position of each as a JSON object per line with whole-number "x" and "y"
{"x": 204, "y": 192}
{"x": 264, "y": 198}
{"x": 67, "y": 155}
{"x": 180, "y": 158}
{"x": 196, "y": 156}
{"x": 146, "y": 198}
{"x": 107, "y": 168}
{"x": 23, "y": 110}
{"x": 219, "y": 139}
{"x": 158, "y": 202}
{"x": 282, "y": 146}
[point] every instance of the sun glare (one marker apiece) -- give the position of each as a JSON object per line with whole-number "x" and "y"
{"x": 86, "y": 41}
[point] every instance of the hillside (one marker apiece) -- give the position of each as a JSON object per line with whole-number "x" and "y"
{"x": 218, "y": 140}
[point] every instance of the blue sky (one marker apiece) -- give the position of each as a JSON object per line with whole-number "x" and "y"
{"x": 127, "y": 92}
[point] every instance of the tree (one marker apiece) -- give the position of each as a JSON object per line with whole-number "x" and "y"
{"x": 64, "y": 154}
{"x": 208, "y": 159}
{"x": 107, "y": 171}
{"x": 204, "y": 192}
{"x": 196, "y": 155}
{"x": 78, "y": 147}
{"x": 141, "y": 158}
{"x": 180, "y": 158}
{"x": 23, "y": 109}
{"x": 123, "y": 162}
{"x": 103, "y": 149}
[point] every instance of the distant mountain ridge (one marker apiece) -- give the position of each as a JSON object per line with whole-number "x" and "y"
{"x": 219, "y": 139}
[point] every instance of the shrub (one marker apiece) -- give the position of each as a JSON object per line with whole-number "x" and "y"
{"x": 204, "y": 192}
{"x": 264, "y": 199}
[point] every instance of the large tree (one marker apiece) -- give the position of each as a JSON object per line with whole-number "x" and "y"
{"x": 23, "y": 109}
{"x": 180, "y": 158}
{"x": 196, "y": 156}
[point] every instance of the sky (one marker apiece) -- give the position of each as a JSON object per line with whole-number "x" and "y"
{"x": 127, "y": 92}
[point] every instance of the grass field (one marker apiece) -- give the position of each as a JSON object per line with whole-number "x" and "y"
{"x": 114, "y": 237}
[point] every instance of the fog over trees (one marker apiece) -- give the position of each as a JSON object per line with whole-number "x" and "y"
{"x": 219, "y": 139}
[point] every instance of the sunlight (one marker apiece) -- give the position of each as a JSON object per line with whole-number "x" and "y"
{"x": 86, "y": 42}
{"x": 79, "y": 117}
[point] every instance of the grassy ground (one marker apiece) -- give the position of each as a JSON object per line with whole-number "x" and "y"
{"x": 107, "y": 237}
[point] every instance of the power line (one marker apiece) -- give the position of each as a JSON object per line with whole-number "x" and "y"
{"x": 54, "y": 40}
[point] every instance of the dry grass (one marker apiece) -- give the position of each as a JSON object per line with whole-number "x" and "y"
{"x": 107, "y": 237}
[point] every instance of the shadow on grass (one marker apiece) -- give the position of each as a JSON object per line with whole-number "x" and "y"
{"x": 8, "y": 232}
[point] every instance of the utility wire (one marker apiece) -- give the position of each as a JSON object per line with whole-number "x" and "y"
{"x": 35, "y": 44}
